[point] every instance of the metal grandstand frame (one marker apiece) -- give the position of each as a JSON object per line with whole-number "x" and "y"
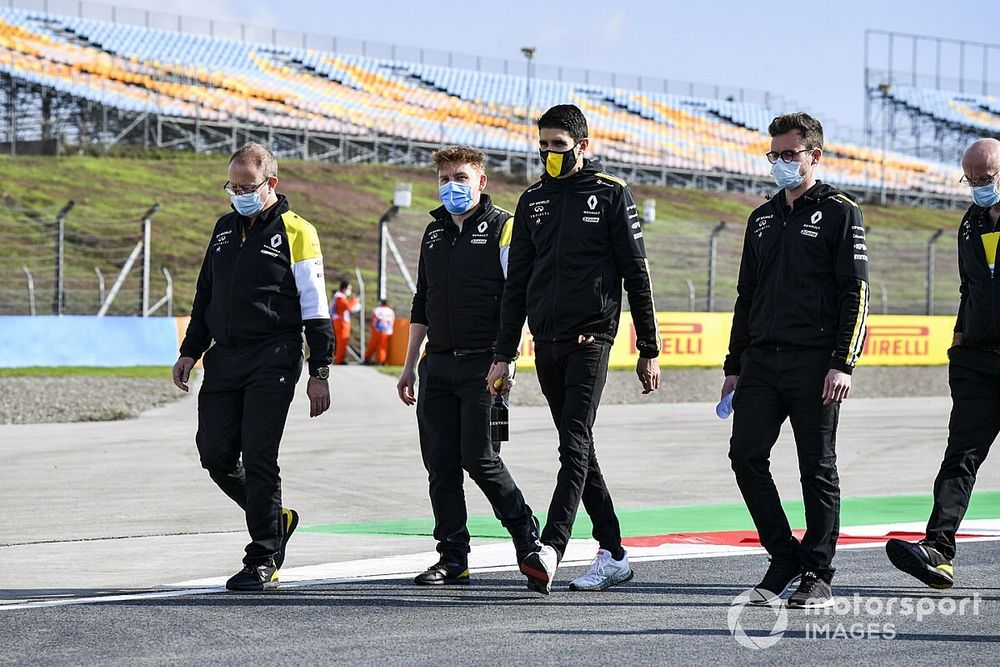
{"x": 36, "y": 119}
{"x": 923, "y": 61}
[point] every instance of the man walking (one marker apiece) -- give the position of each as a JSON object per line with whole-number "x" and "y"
{"x": 260, "y": 284}
{"x": 974, "y": 375}
{"x": 461, "y": 274}
{"x": 798, "y": 329}
{"x": 576, "y": 237}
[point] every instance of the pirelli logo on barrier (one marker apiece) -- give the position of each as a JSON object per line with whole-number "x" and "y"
{"x": 702, "y": 339}
{"x": 898, "y": 341}
{"x": 676, "y": 338}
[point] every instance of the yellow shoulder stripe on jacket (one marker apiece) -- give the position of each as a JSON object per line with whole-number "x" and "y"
{"x": 847, "y": 199}
{"x": 613, "y": 179}
{"x": 507, "y": 232}
{"x": 303, "y": 241}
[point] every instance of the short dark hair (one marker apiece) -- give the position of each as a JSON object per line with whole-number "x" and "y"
{"x": 383, "y": 302}
{"x": 344, "y": 284}
{"x": 565, "y": 117}
{"x": 810, "y": 128}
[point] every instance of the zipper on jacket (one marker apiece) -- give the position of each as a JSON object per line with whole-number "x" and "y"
{"x": 232, "y": 280}
{"x": 555, "y": 288}
{"x": 451, "y": 302}
{"x": 777, "y": 274}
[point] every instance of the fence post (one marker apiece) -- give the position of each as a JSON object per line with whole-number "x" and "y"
{"x": 713, "y": 246}
{"x": 885, "y": 298}
{"x": 31, "y": 289}
{"x": 100, "y": 285}
{"x": 59, "y": 298}
{"x": 930, "y": 270}
{"x": 170, "y": 291}
{"x": 147, "y": 233}
{"x": 690, "y": 284}
{"x": 363, "y": 322}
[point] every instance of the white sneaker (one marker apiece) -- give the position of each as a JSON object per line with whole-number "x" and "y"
{"x": 540, "y": 569}
{"x": 604, "y": 572}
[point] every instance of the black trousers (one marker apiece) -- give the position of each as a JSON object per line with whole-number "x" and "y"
{"x": 572, "y": 378}
{"x": 242, "y": 407}
{"x": 453, "y": 418}
{"x": 974, "y": 377}
{"x": 775, "y": 385}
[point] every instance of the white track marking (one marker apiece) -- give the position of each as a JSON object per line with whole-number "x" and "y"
{"x": 494, "y": 557}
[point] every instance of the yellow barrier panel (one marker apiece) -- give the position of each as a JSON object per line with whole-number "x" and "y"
{"x": 702, "y": 339}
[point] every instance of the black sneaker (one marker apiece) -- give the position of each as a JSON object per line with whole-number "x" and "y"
{"x": 258, "y": 577}
{"x": 442, "y": 573}
{"x": 531, "y": 542}
{"x": 814, "y": 592}
{"x": 922, "y": 561}
{"x": 289, "y": 522}
{"x": 781, "y": 573}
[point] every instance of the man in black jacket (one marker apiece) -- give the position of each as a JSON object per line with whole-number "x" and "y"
{"x": 798, "y": 329}
{"x": 973, "y": 374}
{"x": 461, "y": 274}
{"x": 261, "y": 282}
{"x": 576, "y": 237}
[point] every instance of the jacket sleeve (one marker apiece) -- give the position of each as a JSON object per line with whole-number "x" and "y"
{"x": 418, "y": 311}
{"x": 630, "y": 257}
{"x": 307, "y": 268}
{"x": 513, "y": 304}
{"x": 963, "y": 290}
{"x": 852, "y": 291}
{"x": 746, "y": 285}
{"x": 197, "y": 338}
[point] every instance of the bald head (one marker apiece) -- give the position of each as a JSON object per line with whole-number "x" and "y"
{"x": 981, "y": 159}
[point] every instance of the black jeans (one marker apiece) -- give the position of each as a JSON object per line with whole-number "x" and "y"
{"x": 453, "y": 418}
{"x": 775, "y": 385}
{"x": 242, "y": 407}
{"x": 974, "y": 377}
{"x": 572, "y": 378}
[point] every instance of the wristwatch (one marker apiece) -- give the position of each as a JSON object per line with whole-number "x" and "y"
{"x": 322, "y": 373}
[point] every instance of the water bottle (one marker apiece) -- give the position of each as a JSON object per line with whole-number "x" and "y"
{"x": 499, "y": 420}
{"x": 725, "y": 406}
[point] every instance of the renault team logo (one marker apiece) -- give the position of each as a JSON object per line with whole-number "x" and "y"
{"x": 483, "y": 226}
{"x": 592, "y": 202}
{"x": 772, "y": 614}
{"x": 276, "y": 240}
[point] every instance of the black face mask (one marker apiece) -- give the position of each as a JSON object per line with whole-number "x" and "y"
{"x": 559, "y": 163}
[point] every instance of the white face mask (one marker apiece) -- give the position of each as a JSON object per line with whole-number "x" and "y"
{"x": 786, "y": 174}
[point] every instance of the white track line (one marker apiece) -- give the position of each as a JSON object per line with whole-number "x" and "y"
{"x": 496, "y": 557}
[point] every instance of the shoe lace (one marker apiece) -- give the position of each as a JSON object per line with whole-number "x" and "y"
{"x": 600, "y": 562}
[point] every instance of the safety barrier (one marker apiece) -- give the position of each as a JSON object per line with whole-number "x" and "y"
{"x": 702, "y": 339}
{"x": 687, "y": 339}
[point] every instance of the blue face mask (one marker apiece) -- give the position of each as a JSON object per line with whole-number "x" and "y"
{"x": 986, "y": 195}
{"x": 786, "y": 174}
{"x": 247, "y": 205}
{"x": 456, "y": 197}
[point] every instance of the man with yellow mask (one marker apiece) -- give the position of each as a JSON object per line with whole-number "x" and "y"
{"x": 973, "y": 374}
{"x": 577, "y": 240}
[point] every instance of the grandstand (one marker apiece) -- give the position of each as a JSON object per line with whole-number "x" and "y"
{"x": 929, "y": 97}
{"x": 74, "y": 81}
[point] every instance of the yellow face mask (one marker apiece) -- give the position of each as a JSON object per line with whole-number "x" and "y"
{"x": 559, "y": 164}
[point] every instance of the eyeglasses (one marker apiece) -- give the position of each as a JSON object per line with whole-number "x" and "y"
{"x": 978, "y": 182}
{"x": 786, "y": 156}
{"x": 233, "y": 190}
